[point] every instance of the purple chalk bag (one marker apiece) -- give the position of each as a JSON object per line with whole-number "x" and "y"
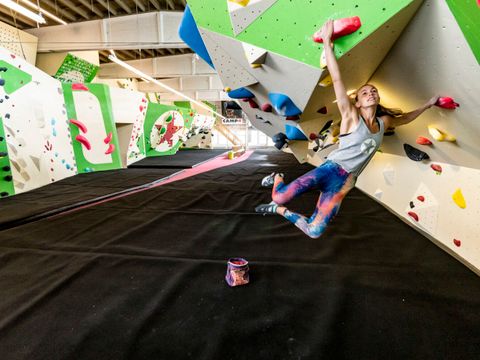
{"x": 237, "y": 272}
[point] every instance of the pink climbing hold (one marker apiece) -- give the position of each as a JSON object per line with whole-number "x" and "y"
{"x": 78, "y": 86}
{"x": 423, "y": 141}
{"x": 140, "y": 108}
{"x": 267, "y": 107}
{"x": 84, "y": 141}
{"x": 341, "y": 27}
{"x": 111, "y": 148}
{"x": 79, "y": 124}
{"x": 447, "y": 103}
{"x": 108, "y": 138}
{"x": 457, "y": 242}
{"x": 413, "y": 215}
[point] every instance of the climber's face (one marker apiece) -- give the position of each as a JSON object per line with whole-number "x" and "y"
{"x": 367, "y": 96}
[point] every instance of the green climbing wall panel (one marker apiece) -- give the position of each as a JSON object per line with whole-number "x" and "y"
{"x": 164, "y": 128}
{"x": 287, "y": 26}
{"x": 467, "y": 14}
{"x": 12, "y": 77}
{"x": 6, "y": 182}
{"x": 102, "y": 95}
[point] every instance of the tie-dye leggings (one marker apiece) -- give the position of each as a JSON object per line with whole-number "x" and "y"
{"x": 333, "y": 182}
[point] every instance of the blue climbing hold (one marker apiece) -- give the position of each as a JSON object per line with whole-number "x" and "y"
{"x": 279, "y": 140}
{"x": 283, "y": 104}
{"x": 294, "y": 133}
{"x": 241, "y": 93}
{"x": 188, "y": 32}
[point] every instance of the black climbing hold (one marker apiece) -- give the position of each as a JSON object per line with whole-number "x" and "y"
{"x": 279, "y": 140}
{"x": 6, "y": 168}
{"x": 8, "y": 178}
{"x": 7, "y": 116}
{"x": 3, "y": 69}
{"x": 3, "y": 153}
{"x": 2, "y": 82}
{"x": 411, "y": 205}
{"x": 415, "y": 154}
{"x": 4, "y": 193}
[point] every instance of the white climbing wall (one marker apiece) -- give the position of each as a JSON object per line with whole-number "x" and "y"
{"x": 35, "y": 124}
{"x": 432, "y": 57}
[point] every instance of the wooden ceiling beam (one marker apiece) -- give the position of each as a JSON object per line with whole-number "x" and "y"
{"x": 140, "y": 5}
{"x": 75, "y": 9}
{"x": 61, "y": 13}
{"x": 124, "y": 6}
{"x": 107, "y": 6}
{"x": 91, "y": 7}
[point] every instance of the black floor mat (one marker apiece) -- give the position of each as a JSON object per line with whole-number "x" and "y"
{"x": 142, "y": 277}
{"x": 183, "y": 159}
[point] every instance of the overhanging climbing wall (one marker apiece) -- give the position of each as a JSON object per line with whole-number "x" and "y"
{"x": 264, "y": 53}
{"x": 441, "y": 196}
{"x": 35, "y": 138}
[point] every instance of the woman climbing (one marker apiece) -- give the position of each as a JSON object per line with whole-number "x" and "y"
{"x": 361, "y": 133}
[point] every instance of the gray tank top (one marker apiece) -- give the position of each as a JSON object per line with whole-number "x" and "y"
{"x": 357, "y": 148}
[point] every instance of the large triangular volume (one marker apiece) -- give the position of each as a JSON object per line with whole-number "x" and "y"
{"x": 231, "y": 73}
{"x": 242, "y": 15}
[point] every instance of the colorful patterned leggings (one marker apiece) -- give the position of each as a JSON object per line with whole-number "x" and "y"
{"x": 333, "y": 182}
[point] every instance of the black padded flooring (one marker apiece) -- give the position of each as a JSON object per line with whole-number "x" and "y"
{"x": 183, "y": 159}
{"x": 83, "y": 188}
{"x": 142, "y": 277}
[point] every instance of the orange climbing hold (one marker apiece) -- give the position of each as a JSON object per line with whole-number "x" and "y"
{"x": 341, "y": 27}
{"x": 423, "y": 141}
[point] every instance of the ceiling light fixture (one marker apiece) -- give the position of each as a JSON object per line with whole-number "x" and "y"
{"x": 24, "y": 11}
{"x": 155, "y": 81}
{"x": 44, "y": 12}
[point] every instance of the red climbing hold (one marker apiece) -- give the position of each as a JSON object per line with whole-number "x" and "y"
{"x": 84, "y": 141}
{"x": 140, "y": 108}
{"x": 421, "y": 198}
{"x": 108, "y": 138}
{"x": 252, "y": 104}
{"x": 423, "y": 141}
{"x": 457, "y": 242}
{"x": 437, "y": 168}
{"x": 78, "y": 86}
{"x": 323, "y": 110}
{"x": 413, "y": 215}
{"x": 294, "y": 117}
{"x": 79, "y": 124}
{"x": 111, "y": 148}
{"x": 267, "y": 107}
{"x": 341, "y": 27}
{"x": 313, "y": 136}
{"x": 446, "y": 103}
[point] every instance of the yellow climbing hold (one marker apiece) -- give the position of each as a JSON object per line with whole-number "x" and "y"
{"x": 240, "y": 2}
{"x": 227, "y": 89}
{"x": 326, "y": 81}
{"x": 254, "y": 66}
{"x": 459, "y": 199}
{"x": 440, "y": 135}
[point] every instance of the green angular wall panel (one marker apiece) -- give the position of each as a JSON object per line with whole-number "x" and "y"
{"x": 467, "y": 14}
{"x": 286, "y": 27}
